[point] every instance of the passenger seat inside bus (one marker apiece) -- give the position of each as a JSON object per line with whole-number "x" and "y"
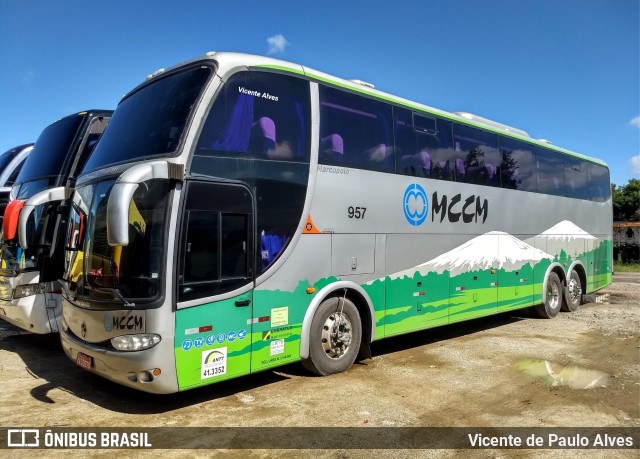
{"x": 418, "y": 165}
{"x": 332, "y": 149}
{"x": 379, "y": 156}
{"x": 263, "y": 137}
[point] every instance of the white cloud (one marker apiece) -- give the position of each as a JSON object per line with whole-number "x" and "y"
{"x": 634, "y": 164}
{"x": 277, "y": 44}
{"x": 635, "y": 121}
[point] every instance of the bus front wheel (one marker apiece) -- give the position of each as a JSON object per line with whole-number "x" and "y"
{"x": 335, "y": 336}
{"x": 551, "y": 298}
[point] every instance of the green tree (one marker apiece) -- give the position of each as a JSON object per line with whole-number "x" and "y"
{"x": 626, "y": 201}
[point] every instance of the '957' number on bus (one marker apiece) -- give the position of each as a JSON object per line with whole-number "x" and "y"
{"x": 356, "y": 212}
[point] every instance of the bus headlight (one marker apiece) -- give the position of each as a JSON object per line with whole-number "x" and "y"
{"x": 135, "y": 342}
{"x": 25, "y": 290}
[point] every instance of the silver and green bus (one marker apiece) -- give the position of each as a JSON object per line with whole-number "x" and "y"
{"x": 241, "y": 213}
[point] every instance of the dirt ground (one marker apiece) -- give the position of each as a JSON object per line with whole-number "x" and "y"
{"x": 486, "y": 373}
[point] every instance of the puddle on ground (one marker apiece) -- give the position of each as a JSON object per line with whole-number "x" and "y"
{"x": 555, "y": 374}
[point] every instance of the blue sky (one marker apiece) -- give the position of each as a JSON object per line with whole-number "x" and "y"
{"x": 564, "y": 70}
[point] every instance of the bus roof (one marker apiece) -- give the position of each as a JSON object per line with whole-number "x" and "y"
{"x": 227, "y": 61}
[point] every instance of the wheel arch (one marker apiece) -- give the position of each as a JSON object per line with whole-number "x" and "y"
{"x": 578, "y": 267}
{"x": 356, "y": 294}
{"x": 554, "y": 268}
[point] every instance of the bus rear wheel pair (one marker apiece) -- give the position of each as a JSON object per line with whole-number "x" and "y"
{"x": 336, "y": 333}
{"x": 557, "y": 297}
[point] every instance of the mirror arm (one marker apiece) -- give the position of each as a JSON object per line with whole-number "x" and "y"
{"x": 122, "y": 193}
{"x": 52, "y": 194}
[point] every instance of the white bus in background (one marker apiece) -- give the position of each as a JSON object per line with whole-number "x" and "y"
{"x": 31, "y": 261}
{"x": 11, "y": 162}
{"x": 241, "y": 213}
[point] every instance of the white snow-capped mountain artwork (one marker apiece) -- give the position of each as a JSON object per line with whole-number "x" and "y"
{"x": 566, "y": 236}
{"x": 495, "y": 249}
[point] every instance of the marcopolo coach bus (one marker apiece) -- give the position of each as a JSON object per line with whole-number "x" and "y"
{"x": 241, "y": 213}
{"x": 11, "y": 162}
{"x": 32, "y": 258}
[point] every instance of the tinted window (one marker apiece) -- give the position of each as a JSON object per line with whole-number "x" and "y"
{"x": 7, "y": 156}
{"x": 136, "y": 269}
{"x": 599, "y": 184}
{"x": 517, "y": 165}
{"x": 90, "y": 141}
{"x": 477, "y": 156}
{"x": 50, "y": 151}
{"x": 26, "y": 190}
{"x": 12, "y": 178}
{"x": 355, "y": 131}
{"x": 259, "y": 115}
{"x": 550, "y": 172}
{"x": 215, "y": 246}
{"x": 152, "y": 120}
{"x": 576, "y": 178}
{"x": 423, "y": 145}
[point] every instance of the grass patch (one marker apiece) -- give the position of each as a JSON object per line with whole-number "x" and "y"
{"x": 626, "y": 267}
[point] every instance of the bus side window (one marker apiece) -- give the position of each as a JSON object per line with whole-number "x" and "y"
{"x": 259, "y": 115}
{"x": 358, "y": 126}
{"x": 550, "y": 167}
{"x": 477, "y": 156}
{"x": 599, "y": 184}
{"x": 577, "y": 178}
{"x": 517, "y": 165}
{"x": 423, "y": 145}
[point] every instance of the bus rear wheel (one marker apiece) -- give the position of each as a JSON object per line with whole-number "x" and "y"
{"x": 335, "y": 336}
{"x": 573, "y": 293}
{"x": 551, "y": 298}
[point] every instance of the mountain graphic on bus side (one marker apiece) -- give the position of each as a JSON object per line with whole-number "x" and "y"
{"x": 500, "y": 250}
{"x": 495, "y": 249}
{"x": 565, "y": 236}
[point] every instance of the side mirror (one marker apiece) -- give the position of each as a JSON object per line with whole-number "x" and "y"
{"x": 122, "y": 193}
{"x": 53, "y": 194}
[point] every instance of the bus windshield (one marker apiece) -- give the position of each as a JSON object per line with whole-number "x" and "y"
{"x": 48, "y": 156}
{"x": 96, "y": 269}
{"x": 151, "y": 121}
{"x": 15, "y": 258}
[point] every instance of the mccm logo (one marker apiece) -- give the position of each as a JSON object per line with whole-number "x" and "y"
{"x": 415, "y": 204}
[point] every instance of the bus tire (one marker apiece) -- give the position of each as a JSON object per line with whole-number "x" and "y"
{"x": 552, "y": 298}
{"x": 573, "y": 293}
{"x": 334, "y": 339}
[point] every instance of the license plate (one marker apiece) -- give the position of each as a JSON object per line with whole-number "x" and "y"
{"x": 84, "y": 361}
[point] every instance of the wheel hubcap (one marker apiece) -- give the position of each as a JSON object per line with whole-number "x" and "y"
{"x": 553, "y": 295}
{"x": 574, "y": 290}
{"x": 336, "y": 335}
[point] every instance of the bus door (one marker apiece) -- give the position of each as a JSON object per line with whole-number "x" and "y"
{"x": 215, "y": 283}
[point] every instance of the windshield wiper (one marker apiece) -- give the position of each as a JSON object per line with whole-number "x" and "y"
{"x": 116, "y": 293}
{"x": 113, "y": 291}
